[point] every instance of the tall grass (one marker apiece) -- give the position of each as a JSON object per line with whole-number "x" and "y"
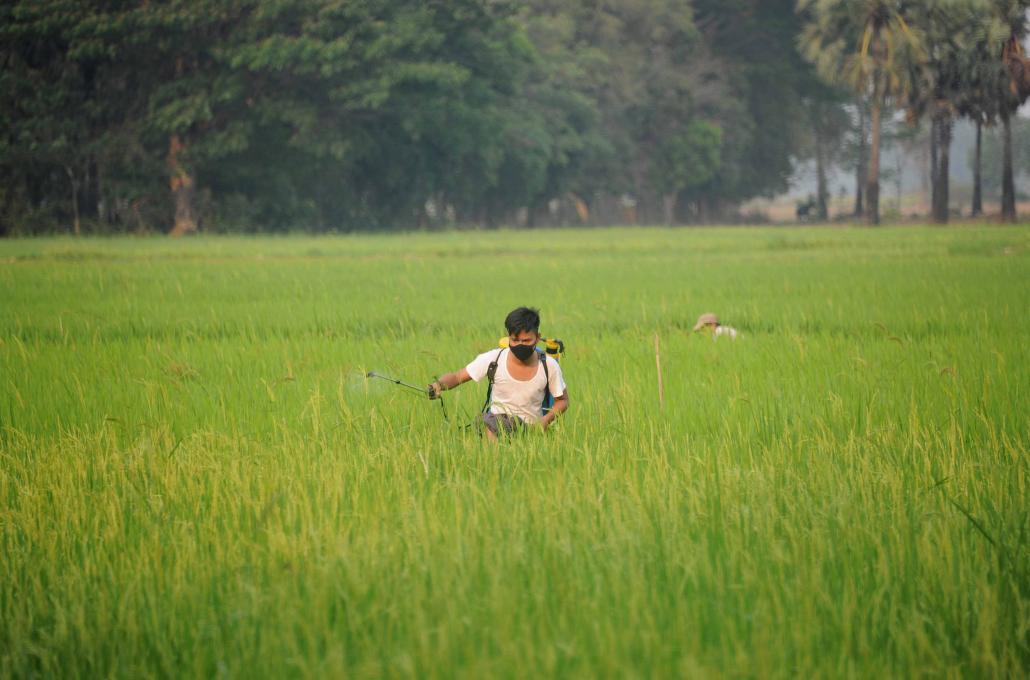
{"x": 196, "y": 479}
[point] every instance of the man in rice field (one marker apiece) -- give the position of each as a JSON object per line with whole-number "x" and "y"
{"x": 520, "y": 379}
{"x": 709, "y": 323}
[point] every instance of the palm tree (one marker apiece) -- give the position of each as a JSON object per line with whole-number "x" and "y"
{"x": 977, "y": 98}
{"x": 869, "y": 46}
{"x": 1007, "y": 29}
{"x": 941, "y": 87}
{"x": 996, "y": 81}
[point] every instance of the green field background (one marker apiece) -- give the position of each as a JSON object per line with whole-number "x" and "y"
{"x": 197, "y": 480}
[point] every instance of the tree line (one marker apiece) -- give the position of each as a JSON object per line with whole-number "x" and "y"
{"x": 247, "y": 115}
{"x": 937, "y": 60}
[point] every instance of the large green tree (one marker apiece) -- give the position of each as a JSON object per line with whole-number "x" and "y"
{"x": 54, "y": 115}
{"x": 770, "y": 86}
{"x": 340, "y": 114}
{"x": 383, "y": 106}
{"x": 249, "y": 114}
{"x": 635, "y": 79}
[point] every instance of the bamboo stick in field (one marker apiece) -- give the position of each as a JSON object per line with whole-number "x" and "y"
{"x": 658, "y": 366}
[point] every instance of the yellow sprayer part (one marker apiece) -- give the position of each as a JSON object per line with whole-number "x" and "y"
{"x": 555, "y": 347}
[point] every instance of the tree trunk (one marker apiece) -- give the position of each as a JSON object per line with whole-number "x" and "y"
{"x": 941, "y": 175}
{"x": 820, "y": 176}
{"x": 944, "y": 174}
{"x": 978, "y": 206}
{"x": 76, "y": 221}
{"x": 899, "y": 180}
{"x": 1008, "y": 188}
{"x": 925, "y": 169}
{"x": 669, "y": 208}
{"x": 581, "y": 207}
{"x": 860, "y": 171}
{"x": 872, "y": 188}
{"x": 181, "y": 184}
{"x": 91, "y": 192}
{"x": 935, "y": 140}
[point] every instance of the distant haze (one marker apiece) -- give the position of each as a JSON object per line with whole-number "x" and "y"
{"x": 915, "y": 167}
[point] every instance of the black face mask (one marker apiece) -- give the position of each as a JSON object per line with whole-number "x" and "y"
{"x": 522, "y": 352}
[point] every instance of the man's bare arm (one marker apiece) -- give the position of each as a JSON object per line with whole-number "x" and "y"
{"x": 561, "y": 405}
{"x": 448, "y": 381}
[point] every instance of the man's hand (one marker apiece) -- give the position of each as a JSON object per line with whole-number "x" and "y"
{"x": 434, "y": 389}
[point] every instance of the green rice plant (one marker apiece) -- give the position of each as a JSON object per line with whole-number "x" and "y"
{"x": 197, "y": 479}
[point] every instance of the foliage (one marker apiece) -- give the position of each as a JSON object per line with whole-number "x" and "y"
{"x": 688, "y": 159}
{"x": 374, "y": 114}
{"x": 763, "y": 125}
{"x": 253, "y": 115}
{"x": 868, "y": 45}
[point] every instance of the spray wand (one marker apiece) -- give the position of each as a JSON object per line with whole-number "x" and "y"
{"x": 401, "y": 383}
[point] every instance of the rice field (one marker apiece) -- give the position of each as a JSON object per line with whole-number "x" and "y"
{"x": 197, "y": 479}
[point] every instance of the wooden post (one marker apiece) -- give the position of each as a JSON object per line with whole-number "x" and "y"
{"x": 658, "y": 365}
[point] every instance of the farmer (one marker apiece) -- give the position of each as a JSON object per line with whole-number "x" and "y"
{"x": 520, "y": 379}
{"x": 710, "y": 324}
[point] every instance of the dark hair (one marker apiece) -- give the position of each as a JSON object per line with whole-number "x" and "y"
{"x": 522, "y": 319}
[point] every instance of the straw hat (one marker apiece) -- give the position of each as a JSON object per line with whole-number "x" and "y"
{"x": 704, "y": 320}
